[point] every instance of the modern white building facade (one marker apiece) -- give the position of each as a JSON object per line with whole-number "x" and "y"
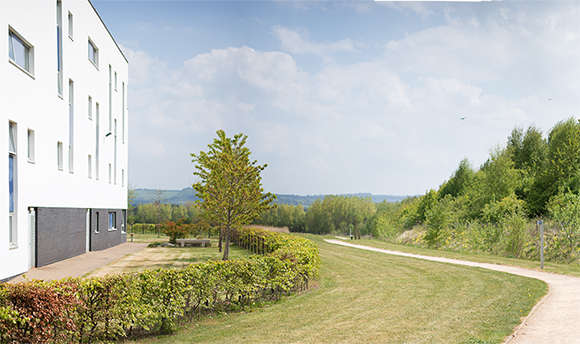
{"x": 64, "y": 133}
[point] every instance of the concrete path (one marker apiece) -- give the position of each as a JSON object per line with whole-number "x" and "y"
{"x": 80, "y": 265}
{"x": 555, "y": 319}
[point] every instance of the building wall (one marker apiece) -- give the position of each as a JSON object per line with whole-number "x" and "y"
{"x": 104, "y": 237}
{"x": 32, "y": 102}
{"x": 60, "y": 234}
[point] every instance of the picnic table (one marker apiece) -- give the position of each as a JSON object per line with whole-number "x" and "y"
{"x": 193, "y": 242}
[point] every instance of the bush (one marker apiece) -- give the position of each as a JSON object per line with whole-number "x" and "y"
{"x": 565, "y": 211}
{"x": 175, "y": 230}
{"x": 114, "y": 307}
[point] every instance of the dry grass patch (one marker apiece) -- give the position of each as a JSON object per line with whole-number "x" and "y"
{"x": 166, "y": 257}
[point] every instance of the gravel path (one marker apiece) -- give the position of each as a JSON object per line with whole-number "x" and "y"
{"x": 555, "y": 319}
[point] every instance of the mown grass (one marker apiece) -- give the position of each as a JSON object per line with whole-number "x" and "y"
{"x": 369, "y": 297}
{"x": 572, "y": 269}
{"x": 165, "y": 257}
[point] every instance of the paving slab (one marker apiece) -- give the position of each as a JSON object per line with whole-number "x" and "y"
{"x": 80, "y": 265}
{"x": 555, "y": 319}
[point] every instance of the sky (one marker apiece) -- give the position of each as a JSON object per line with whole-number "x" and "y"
{"x": 341, "y": 97}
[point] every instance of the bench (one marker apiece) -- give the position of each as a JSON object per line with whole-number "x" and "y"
{"x": 193, "y": 242}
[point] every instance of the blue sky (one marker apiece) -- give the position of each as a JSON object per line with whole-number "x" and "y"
{"x": 341, "y": 97}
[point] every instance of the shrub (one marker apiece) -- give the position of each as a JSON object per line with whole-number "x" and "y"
{"x": 113, "y": 307}
{"x": 565, "y": 210}
{"x": 175, "y": 230}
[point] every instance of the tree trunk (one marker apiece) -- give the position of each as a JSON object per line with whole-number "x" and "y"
{"x": 227, "y": 244}
{"x": 221, "y": 237}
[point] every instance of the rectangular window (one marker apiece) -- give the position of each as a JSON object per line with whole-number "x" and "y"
{"x": 97, "y": 119}
{"x": 115, "y": 81}
{"x": 70, "y": 25}
{"x": 12, "y": 138}
{"x": 12, "y": 185}
{"x": 123, "y": 221}
{"x": 123, "y": 177}
{"x": 123, "y": 115}
{"x": 115, "y": 155}
{"x": 71, "y": 119}
{"x": 90, "y": 167}
{"x": 93, "y": 54}
{"x": 110, "y": 99}
{"x": 97, "y": 228}
{"x": 90, "y": 107}
{"x": 59, "y": 46}
{"x": 112, "y": 221}
{"x": 20, "y": 51}
{"x": 59, "y": 155}
{"x": 110, "y": 173}
{"x": 30, "y": 145}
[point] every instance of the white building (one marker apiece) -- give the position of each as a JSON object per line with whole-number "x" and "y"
{"x": 63, "y": 109}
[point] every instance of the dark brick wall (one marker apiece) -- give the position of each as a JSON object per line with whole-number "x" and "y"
{"x": 60, "y": 234}
{"x": 103, "y": 238}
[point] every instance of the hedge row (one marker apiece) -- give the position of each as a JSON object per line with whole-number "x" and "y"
{"x": 126, "y": 305}
{"x": 145, "y": 228}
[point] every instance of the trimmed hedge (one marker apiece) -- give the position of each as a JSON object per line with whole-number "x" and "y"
{"x": 119, "y": 306}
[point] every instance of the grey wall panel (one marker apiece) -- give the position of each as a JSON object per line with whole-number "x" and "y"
{"x": 101, "y": 236}
{"x": 60, "y": 234}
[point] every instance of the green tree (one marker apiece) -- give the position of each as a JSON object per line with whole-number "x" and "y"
{"x": 461, "y": 179}
{"x": 230, "y": 186}
{"x": 562, "y": 166}
{"x": 565, "y": 210}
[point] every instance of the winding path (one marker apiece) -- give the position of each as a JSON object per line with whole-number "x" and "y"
{"x": 555, "y": 319}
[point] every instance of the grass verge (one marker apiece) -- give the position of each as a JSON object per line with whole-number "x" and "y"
{"x": 369, "y": 297}
{"x": 572, "y": 269}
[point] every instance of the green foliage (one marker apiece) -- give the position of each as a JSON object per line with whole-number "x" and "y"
{"x": 459, "y": 182}
{"x": 438, "y": 217}
{"x": 495, "y": 211}
{"x": 494, "y": 208}
{"x": 111, "y": 308}
{"x": 176, "y": 230}
{"x": 340, "y": 214}
{"x": 565, "y": 210}
{"x": 230, "y": 184}
{"x": 283, "y": 215}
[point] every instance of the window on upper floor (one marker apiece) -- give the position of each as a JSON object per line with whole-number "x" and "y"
{"x": 59, "y": 155}
{"x": 115, "y": 81}
{"x": 90, "y": 167}
{"x": 90, "y": 107}
{"x": 20, "y": 52}
{"x": 93, "y": 54}
{"x": 70, "y": 25}
{"x": 31, "y": 147}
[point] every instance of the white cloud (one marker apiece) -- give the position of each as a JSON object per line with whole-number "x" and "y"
{"x": 295, "y": 43}
{"x": 387, "y": 124}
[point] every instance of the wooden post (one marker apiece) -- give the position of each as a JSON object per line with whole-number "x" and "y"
{"x": 541, "y": 223}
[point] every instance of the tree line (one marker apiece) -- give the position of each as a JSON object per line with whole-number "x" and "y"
{"x": 492, "y": 208}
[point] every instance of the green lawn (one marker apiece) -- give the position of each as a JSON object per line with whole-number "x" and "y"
{"x": 572, "y": 269}
{"x": 369, "y": 297}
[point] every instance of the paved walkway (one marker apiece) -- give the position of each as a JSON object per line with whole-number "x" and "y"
{"x": 555, "y": 319}
{"x": 80, "y": 265}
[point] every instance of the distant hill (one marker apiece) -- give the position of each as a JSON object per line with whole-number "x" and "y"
{"x": 188, "y": 195}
